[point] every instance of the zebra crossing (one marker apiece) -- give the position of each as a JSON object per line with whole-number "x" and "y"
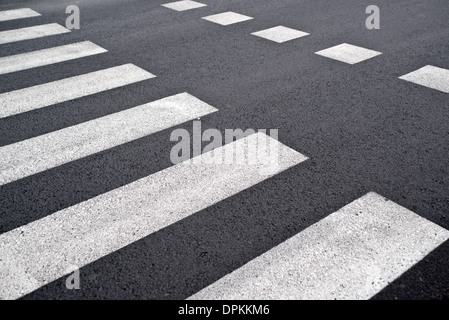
{"x": 430, "y": 76}
{"x": 34, "y": 32}
{"x": 113, "y": 220}
{"x": 47, "y": 151}
{"x": 47, "y": 94}
{"x": 18, "y": 14}
{"x": 351, "y": 254}
{"x": 49, "y": 56}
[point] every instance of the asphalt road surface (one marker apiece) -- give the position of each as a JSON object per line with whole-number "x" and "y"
{"x": 356, "y": 208}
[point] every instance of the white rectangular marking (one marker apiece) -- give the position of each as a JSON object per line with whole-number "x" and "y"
{"x": 42, "y": 251}
{"x": 351, "y": 254}
{"x": 31, "y": 32}
{"x": 431, "y": 77}
{"x": 47, "y": 94}
{"x": 48, "y": 56}
{"x": 227, "y": 18}
{"x": 183, "y": 5}
{"x": 47, "y": 151}
{"x": 280, "y": 34}
{"x": 18, "y": 14}
{"x": 348, "y": 53}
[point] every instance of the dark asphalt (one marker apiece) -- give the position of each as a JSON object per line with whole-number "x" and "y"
{"x": 362, "y": 127}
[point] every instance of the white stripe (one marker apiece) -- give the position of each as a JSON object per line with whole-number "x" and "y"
{"x": 183, "y": 5}
{"x": 47, "y": 94}
{"x": 280, "y": 34}
{"x": 37, "y": 154}
{"x": 227, "y": 18}
{"x": 31, "y": 32}
{"x": 42, "y": 251}
{"x": 351, "y": 254}
{"x": 431, "y": 77}
{"x": 45, "y": 57}
{"x": 18, "y": 14}
{"x": 348, "y": 53}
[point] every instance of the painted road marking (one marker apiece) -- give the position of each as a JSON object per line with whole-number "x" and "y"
{"x": 227, "y": 18}
{"x": 280, "y": 34}
{"x": 431, "y": 77}
{"x": 351, "y": 254}
{"x": 31, "y": 32}
{"x": 42, "y": 251}
{"x": 183, "y": 5}
{"x": 47, "y": 151}
{"x": 18, "y": 14}
{"x": 348, "y": 53}
{"x": 47, "y": 94}
{"x": 49, "y": 56}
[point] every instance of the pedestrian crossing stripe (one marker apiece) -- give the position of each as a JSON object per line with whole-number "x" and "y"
{"x": 431, "y": 77}
{"x": 34, "y": 32}
{"x": 43, "y": 95}
{"x": 48, "y": 56}
{"x": 351, "y": 254}
{"x": 227, "y": 18}
{"x": 18, "y": 14}
{"x": 183, "y": 5}
{"x": 348, "y": 53}
{"x": 53, "y": 149}
{"x": 37, "y": 253}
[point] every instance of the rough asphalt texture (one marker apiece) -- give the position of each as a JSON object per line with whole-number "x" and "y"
{"x": 362, "y": 128}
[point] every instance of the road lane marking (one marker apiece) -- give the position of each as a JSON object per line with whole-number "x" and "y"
{"x": 431, "y": 77}
{"x": 47, "y": 151}
{"x": 227, "y": 18}
{"x": 48, "y": 56}
{"x": 34, "y": 32}
{"x": 348, "y": 53}
{"x": 50, "y": 93}
{"x": 183, "y": 5}
{"x": 351, "y": 254}
{"x": 18, "y": 14}
{"x": 37, "y": 253}
{"x": 280, "y": 34}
